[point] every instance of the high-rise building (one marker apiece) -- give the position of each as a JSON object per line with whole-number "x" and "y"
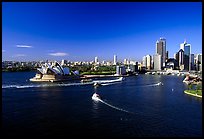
{"x": 96, "y": 59}
{"x": 199, "y": 62}
{"x": 148, "y": 62}
{"x": 144, "y": 61}
{"x": 167, "y": 55}
{"x": 192, "y": 64}
{"x": 157, "y": 62}
{"x": 125, "y": 61}
{"x": 180, "y": 57}
{"x": 115, "y": 60}
{"x": 186, "y": 47}
{"x": 161, "y": 49}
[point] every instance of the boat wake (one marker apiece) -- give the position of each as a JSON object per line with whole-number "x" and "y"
{"x": 108, "y": 81}
{"x": 114, "y": 107}
{"x": 44, "y": 85}
{"x": 104, "y": 84}
{"x": 156, "y": 84}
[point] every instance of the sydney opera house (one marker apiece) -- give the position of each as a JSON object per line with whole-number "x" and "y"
{"x": 52, "y": 72}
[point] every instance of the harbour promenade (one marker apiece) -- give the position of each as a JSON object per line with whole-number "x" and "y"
{"x": 101, "y": 76}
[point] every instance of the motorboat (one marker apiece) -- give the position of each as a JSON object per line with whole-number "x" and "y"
{"x": 160, "y": 83}
{"x": 96, "y": 84}
{"x": 96, "y": 97}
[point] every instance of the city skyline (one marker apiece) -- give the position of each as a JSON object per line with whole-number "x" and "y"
{"x": 82, "y": 31}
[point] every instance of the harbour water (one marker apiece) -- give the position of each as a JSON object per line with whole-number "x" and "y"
{"x": 135, "y": 107}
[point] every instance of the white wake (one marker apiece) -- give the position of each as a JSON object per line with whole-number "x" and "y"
{"x": 108, "y": 81}
{"x": 44, "y": 85}
{"x": 114, "y": 107}
{"x": 156, "y": 84}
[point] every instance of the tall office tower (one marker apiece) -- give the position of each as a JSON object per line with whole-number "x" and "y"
{"x": 192, "y": 64}
{"x": 125, "y": 61}
{"x": 144, "y": 61}
{"x": 180, "y": 57}
{"x": 167, "y": 55}
{"x": 157, "y": 62}
{"x": 177, "y": 56}
{"x": 148, "y": 62}
{"x": 115, "y": 60}
{"x": 199, "y": 62}
{"x": 161, "y": 49}
{"x": 186, "y": 47}
{"x": 96, "y": 59}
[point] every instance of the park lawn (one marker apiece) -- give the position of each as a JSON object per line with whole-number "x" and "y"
{"x": 198, "y": 92}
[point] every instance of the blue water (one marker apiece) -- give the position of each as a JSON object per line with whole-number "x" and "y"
{"x": 136, "y": 107}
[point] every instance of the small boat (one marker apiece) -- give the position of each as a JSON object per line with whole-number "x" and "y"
{"x": 96, "y": 97}
{"x": 96, "y": 84}
{"x": 160, "y": 83}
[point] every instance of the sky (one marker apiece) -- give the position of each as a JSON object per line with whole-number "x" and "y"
{"x": 80, "y": 31}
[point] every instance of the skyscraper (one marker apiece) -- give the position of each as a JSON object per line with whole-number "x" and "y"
{"x": 161, "y": 49}
{"x": 148, "y": 62}
{"x": 115, "y": 60}
{"x": 186, "y": 47}
{"x": 125, "y": 61}
{"x": 192, "y": 64}
{"x": 96, "y": 59}
{"x": 144, "y": 61}
{"x": 199, "y": 62}
{"x": 180, "y": 57}
{"x": 167, "y": 55}
{"x": 157, "y": 62}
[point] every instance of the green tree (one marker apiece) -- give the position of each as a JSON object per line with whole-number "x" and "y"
{"x": 190, "y": 86}
{"x": 198, "y": 87}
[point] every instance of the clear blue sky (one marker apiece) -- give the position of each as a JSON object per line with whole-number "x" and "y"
{"x": 80, "y": 31}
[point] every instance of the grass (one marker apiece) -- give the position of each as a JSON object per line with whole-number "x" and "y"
{"x": 198, "y": 92}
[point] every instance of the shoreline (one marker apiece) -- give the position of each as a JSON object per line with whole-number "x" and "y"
{"x": 186, "y": 92}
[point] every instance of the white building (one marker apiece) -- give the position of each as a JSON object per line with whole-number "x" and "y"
{"x": 96, "y": 60}
{"x": 132, "y": 62}
{"x": 125, "y": 62}
{"x": 148, "y": 62}
{"x": 115, "y": 60}
{"x": 144, "y": 61}
{"x": 64, "y": 62}
{"x": 157, "y": 62}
